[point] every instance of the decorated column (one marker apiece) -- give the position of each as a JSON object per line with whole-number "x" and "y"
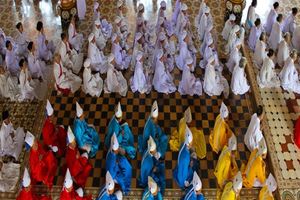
{"x": 66, "y": 8}
{"x": 235, "y": 7}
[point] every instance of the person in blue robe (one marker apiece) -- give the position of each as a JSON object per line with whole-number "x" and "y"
{"x": 153, "y": 129}
{"x": 107, "y": 191}
{"x": 118, "y": 165}
{"x": 153, "y": 167}
{"x": 194, "y": 190}
{"x": 120, "y": 127}
{"x": 187, "y": 163}
{"x": 86, "y": 136}
{"x": 152, "y": 191}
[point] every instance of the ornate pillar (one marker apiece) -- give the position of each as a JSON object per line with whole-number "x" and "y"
{"x": 66, "y": 8}
{"x": 235, "y": 7}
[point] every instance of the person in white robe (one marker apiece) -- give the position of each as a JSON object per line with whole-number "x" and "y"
{"x": 162, "y": 80}
{"x": 69, "y": 56}
{"x": 260, "y": 50}
{"x": 92, "y": 83}
{"x": 11, "y": 60}
{"x": 81, "y": 9}
{"x": 254, "y": 133}
{"x": 9, "y": 176}
{"x": 276, "y": 33}
{"x": 289, "y": 23}
{"x": 189, "y": 84}
{"x": 251, "y": 15}
{"x": 120, "y": 11}
{"x": 184, "y": 51}
{"x": 284, "y": 49}
{"x": 234, "y": 57}
{"x": 233, "y": 37}
{"x": 239, "y": 84}
{"x": 204, "y": 22}
{"x": 271, "y": 18}
{"x": 11, "y": 140}
{"x": 228, "y": 26}
{"x": 200, "y": 13}
{"x": 98, "y": 60}
{"x": 75, "y": 39}
{"x": 122, "y": 59}
{"x": 296, "y": 38}
{"x": 211, "y": 51}
{"x": 289, "y": 75}
{"x": 267, "y": 77}
{"x": 207, "y": 36}
{"x": 140, "y": 21}
{"x": 161, "y": 13}
{"x": 182, "y": 20}
{"x": 21, "y": 41}
{"x": 99, "y": 36}
{"x": 115, "y": 81}
{"x": 106, "y": 26}
{"x": 2, "y": 45}
{"x": 176, "y": 12}
{"x": 37, "y": 67}
{"x": 8, "y": 85}
{"x": 45, "y": 47}
{"x": 255, "y": 32}
{"x": 141, "y": 80}
{"x": 65, "y": 80}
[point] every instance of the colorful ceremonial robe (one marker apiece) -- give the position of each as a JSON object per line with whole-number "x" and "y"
{"x": 297, "y": 133}
{"x": 86, "y": 135}
{"x": 124, "y": 135}
{"x": 28, "y": 195}
{"x": 264, "y": 194}
{"x": 54, "y": 136}
{"x": 192, "y": 195}
{"x": 72, "y": 195}
{"x": 148, "y": 196}
{"x": 228, "y": 192}
{"x": 103, "y": 195}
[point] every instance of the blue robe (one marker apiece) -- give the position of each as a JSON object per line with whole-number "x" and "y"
{"x": 148, "y": 196}
{"x": 120, "y": 169}
{"x": 157, "y": 134}
{"x": 183, "y": 171}
{"x": 148, "y": 163}
{"x": 126, "y": 141}
{"x": 191, "y": 195}
{"x": 103, "y": 195}
{"x": 85, "y": 134}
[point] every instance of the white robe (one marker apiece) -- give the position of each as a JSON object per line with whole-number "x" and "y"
{"x": 226, "y": 30}
{"x": 254, "y": 36}
{"x": 251, "y": 17}
{"x": 259, "y": 53}
{"x": 270, "y": 20}
{"x": 45, "y": 51}
{"x": 289, "y": 77}
{"x": 283, "y": 52}
{"x": 9, "y": 86}
{"x": 99, "y": 36}
{"x": 72, "y": 60}
{"x": 176, "y": 11}
{"x": 12, "y": 64}
{"x": 98, "y": 60}
{"x": 232, "y": 39}
{"x": 11, "y": 146}
{"x": 289, "y": 24}
{"x": 92, "y": 83}
{"x": 267, "y": 76}
{"x": 121, "y": 57}
{"x": 234, "y": 59}
{"x": 214, "y": 82}
{"x": 275, "y": 36}
{"x": 21, "y": 43}
{"x": 200, "y": 13}
{"x": 140, "y": 81}
{"x": 75, "y": 39}
{"x": 189, "y": 84}
{"x": 163, "y": 80}
{"x": 296, "y": 38}
{"x": 253, "y": 134}
{"x": 115, "y": 81}
{"x": 9, "y": 177}
{"x": 65, "y": 79}
{"x": 81, "y": 8}
{"x": 37, "y": 67}
{"x": 202, "y": 26}
{"x": 184, "y": 53}
{"x": 239, "y": 84}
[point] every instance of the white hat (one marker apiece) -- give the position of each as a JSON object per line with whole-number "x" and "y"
{"x": 96, "y": 5}
{"x": 161, "y": 36}
{"x": 184, "y": 7}
{"x": 189, "y": 60}
{"x": 29, "y": 139}
{"x": 271, "y": 183}
{"x": 188, "y": 135}
{"x": 152, "y": 185}
{"x": 232, "y": 17}
{"x": 237, "y": 182}
{"x": 79, "y": 191}
{"x": 188, "y": 115}
{"x": 114, "y": 142}
{"x": 119, "y": 195}
{"x": 49, "y": 108}
{"x": 197, "y": 184}
{"x": 87, "y": 63}
{"x": 209, "y": 41}
{"x": 211, "y": 59}
{"x": 118, "y": 19}
{"x": 224, "y": 111}
{"x": 114, "y": 37}
{"x": 26, "y": 178}
{"x": 262, "y": 146}
{"x": 154, "y": 110}
{"x": 71, "y": 136}
{"x": 91, "y": 37}
{"x": 68, "y": 179}
{"x": 119, "y": 3}
{"x": 151, "y": 144}
{"x": 160, "y": 54}
{"x": 139, "y": 55}
{"x": 140, "y": 7}
{"x": 79, "y": 110}
{"x": 138, "y": 36}
{"x": 109, "y": 181}
{"x": 206, "y": 9}
{"x": 163, "y": 4}
{"x": 236, "y": 28}
{"x": 110, "y": 58}
{"x": 118, "y": 112}
{"x": 232, "y": 143}
{"x": 97, "y": 22}
{"x": 183, "y": 34}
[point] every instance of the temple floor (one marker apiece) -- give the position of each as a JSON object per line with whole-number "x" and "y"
{"x": 282, "y": 108}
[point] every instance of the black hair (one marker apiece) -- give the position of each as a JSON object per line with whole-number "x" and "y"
{"x": 254, "y": 3}
{"x": 5, "y": 115}
{"x": 261, "y": 36}
{"x": 7, "y": 43}
{"x": 279, "y": 17}
{"x": 63, "y": 36}
{"x": 18, "y": 25}
{"x": 275, "y": 5}
{"x": 30, "y": 45}
{"x": 21, "y": 63}
{"x": 270, "y": 53}
{"x": 294, "y": 11}
{"x": 259, "y": 110}
{"x": 257, "y": 22}
{"x": 39, "y": 26}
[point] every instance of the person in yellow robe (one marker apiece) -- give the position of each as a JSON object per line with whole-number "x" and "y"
{"x": 266, "y": 193}
{"x": 218, "y": 138}
{"x": 254, "y": 174}
{"x": 227, "y": 167}
{"x": 178, "y": 136}
{"x": 232, "y": 189}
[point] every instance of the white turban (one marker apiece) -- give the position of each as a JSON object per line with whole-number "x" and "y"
{"x": 79, "y": 110}
{"x": 118, "y": 111}
{"x": 26, "y": 178}
{"x": 224, "y": 111}
{"x": 49, "y": 108}
{"x": 91, "y": 37}
{"x": 238, "y": 182}
{"x": 87, "y": 63}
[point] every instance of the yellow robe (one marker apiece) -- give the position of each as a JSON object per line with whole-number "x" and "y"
{"x": 264, "y": 194}
{"x": 255, "y": 169}
{"x": 228, "y": 192}
{"x": 226, "y": 167}
{"x": 178, "y": 137}
{"x": 219, "y": 137}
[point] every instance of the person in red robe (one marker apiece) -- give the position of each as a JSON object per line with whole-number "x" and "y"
{"x": 54, "y": 136}
{"x": 42, "y": 162}
{"x": 297, "y": 133}
{"x": 68, "y": 192}
{"x": 26, "y": 192}
{"x": 78, "y": 165}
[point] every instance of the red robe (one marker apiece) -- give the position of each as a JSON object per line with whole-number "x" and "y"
{"x": 79, "y": 166}
{"x": 55, "y": 136}
{"x": 43, "y": 166}
{"x": 28, "y": 195}
{"x": 297, "y": 133}
{"x": 64, "y": 195}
